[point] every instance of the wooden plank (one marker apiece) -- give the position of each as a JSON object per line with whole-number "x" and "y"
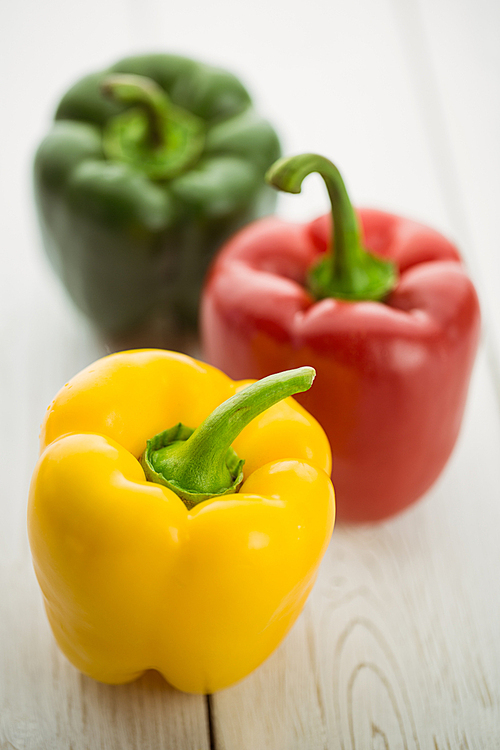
{"x": 44, "y": 701}
{"x": 398, "y": 644}
{"x": 453, "y": 57}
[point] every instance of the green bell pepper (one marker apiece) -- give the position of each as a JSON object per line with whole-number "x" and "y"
{"x": 149, "y": 166}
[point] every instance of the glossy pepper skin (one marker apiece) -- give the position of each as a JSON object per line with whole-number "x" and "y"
{"x": 131, "y": 240}
{"x": 131, "y": 579}
{"x": 392, "y": 375}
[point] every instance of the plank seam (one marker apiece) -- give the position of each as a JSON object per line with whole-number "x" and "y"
{"x": 211, "y": 727}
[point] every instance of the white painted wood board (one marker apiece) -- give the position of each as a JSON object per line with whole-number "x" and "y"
{"x": 398, "y": 645}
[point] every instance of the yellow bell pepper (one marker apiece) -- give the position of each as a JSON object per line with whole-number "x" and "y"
{"x": 135, "y": 578}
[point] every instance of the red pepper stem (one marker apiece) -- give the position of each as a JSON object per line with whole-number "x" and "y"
{"x": 198, "y": 464}
{"x": 346, "y": 271}
{"x": 347, "y": 237}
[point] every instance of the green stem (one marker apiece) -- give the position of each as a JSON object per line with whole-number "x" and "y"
{"x": 350, "y": 272}
{"x": 199, "y": 464}
{"x": 144, "y": 93}
{"x": 153, "y": 136}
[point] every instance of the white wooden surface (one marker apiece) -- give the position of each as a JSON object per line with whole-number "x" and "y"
{"x": 399, "y": 644}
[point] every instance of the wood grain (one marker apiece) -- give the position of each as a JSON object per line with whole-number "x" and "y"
{"x": 397, "y": 647}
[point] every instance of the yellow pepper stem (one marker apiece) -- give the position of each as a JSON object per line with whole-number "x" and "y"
{"x": 200, "y": 464}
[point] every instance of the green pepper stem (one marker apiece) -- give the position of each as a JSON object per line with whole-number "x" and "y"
{"x": 153, "y": 136}
{"x": 144, "y": 93}
{"x": 350, "y": 272}
{"x": 197, "y": 467}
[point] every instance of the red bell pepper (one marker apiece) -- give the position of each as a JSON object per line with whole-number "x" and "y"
{"x": 392, "y": 335}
